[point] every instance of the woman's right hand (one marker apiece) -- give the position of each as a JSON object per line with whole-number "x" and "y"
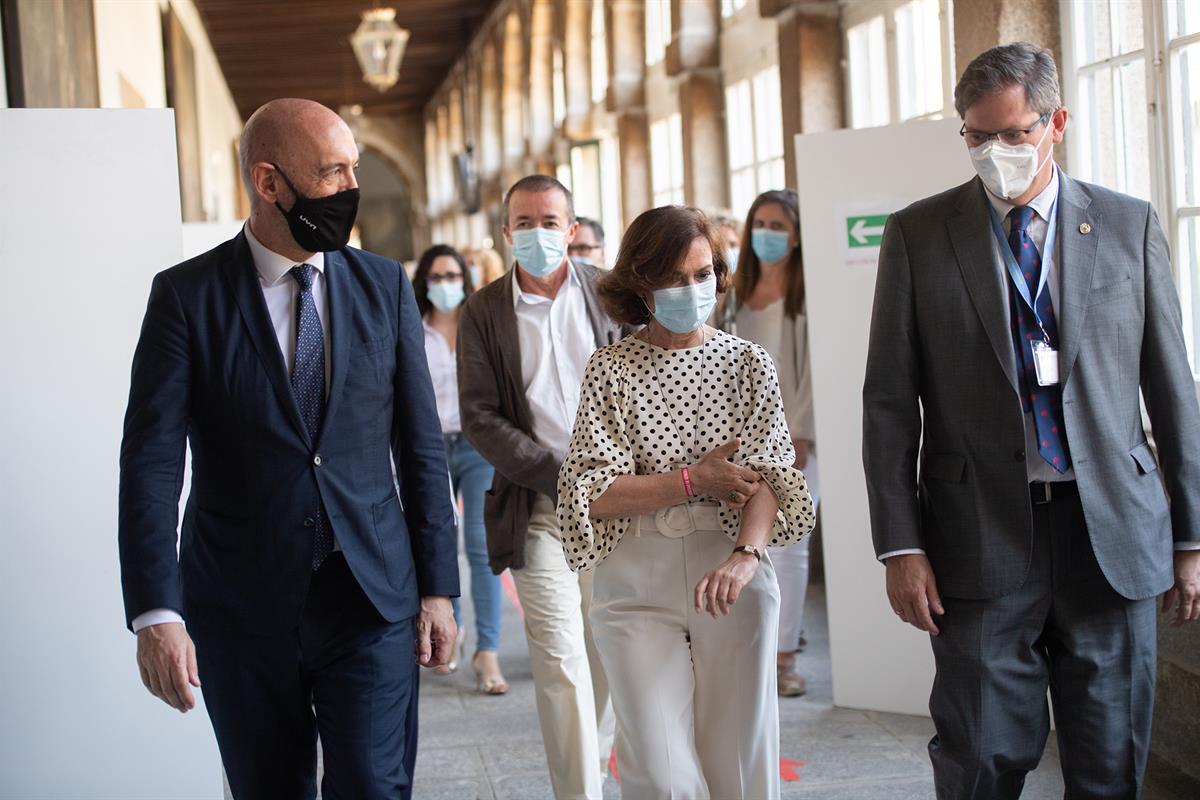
{"x": 717, "y": 477}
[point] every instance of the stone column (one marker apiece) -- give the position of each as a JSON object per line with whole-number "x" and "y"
{"x": 982, "y": 24}
{"x": 633, "y": 131}
{"x": 693, "y": 59}
{"x": 577, "y": 66}
{"x": 811, "y": 78}
{"x": 705, "y": 160}
{"x": 541, "y": 79}
{"x": 626, "y": 54}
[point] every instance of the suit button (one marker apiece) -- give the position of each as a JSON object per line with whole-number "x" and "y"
{"x": 309, "y": 522}
{"x": 1019, "y": 455}
{"x": 317, "y": 460}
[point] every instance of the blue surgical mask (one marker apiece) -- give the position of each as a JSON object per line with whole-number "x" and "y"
{"x": 732, "y": 254}
{"x": 446, "y": 296}
{"x": 770, "y": 246}
{"x": 539, "y": 251}
{"x": 476, "y": 276}
{"x": 683, "y": 309}
{"x": 582, "y": 261}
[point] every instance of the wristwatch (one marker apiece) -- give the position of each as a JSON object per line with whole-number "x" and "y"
{"x": 749, "y": 548}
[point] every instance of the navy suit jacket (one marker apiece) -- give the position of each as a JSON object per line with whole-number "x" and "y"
{"x": 208, "y": 371}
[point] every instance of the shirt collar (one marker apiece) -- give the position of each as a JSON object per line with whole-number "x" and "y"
{"x": 520, "y": 296}
{"x": 271, "y": 266}
{"x": 1040, "y": 204}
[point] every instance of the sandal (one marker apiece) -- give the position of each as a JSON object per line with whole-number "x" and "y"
{"x": 488, "y": 684}
{"x": 790, "y": 682}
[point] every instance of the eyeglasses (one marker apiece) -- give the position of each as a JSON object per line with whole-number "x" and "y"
{"x": 449, "y": 277}
{"x": 579, "y": 249}
{"x": 1013, "y": 136}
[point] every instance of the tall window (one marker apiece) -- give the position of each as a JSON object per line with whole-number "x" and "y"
{"x": 599, "y": 41}
{"x": 666, "y": 156}
{"x": 919, "y": 58}
{"x": 593, "y": 176}
{"x": 900, "y": 65}
{"x": 1132, "y": 81}
{"x": 658, "y": 30}
{"x": 731, "y": 7}
{"x": 869, "y": 104}
{"x": 754, "y": 124}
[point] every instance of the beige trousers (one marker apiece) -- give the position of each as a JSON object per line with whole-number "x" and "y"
{"x": 569, "y": 683}
{"x": 694, "y": 697}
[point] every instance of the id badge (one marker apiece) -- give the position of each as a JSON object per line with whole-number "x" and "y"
{"x": 1045, "y": 363}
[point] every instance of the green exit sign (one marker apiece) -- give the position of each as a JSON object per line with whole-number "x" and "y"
{"x": 865, "y": 231}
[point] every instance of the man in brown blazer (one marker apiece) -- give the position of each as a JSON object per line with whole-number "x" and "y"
{"x": 524, "y": 342}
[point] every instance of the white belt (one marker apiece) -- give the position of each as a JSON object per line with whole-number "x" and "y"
{"x": 675, "y": 522}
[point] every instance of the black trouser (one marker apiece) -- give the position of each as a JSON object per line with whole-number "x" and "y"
{"x": 356, "y": 671}
{"x": 1065, "y": 629}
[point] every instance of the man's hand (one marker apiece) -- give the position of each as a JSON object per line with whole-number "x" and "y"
{"x": 1185, "y": 594}
{"x": 436, "y": 632}
{"x": 717, "y": 477}
{"x": 166, "y": 659}
{"x": 912, "y": 591}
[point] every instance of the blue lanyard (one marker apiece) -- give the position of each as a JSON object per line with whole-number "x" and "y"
{"x": 1014, "y": 269}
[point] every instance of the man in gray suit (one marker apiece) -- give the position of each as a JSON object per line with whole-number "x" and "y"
{"x": 1016, "y": 319}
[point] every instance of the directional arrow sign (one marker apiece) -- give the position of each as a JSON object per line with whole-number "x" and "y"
{"x": 865, "y": 231}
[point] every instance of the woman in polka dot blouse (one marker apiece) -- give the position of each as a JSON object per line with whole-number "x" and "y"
{"x": 679, "y": 474}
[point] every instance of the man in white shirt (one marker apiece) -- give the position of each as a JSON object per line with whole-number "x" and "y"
{"x": 524, "y": 342}
{"x": 1017, "y": 318}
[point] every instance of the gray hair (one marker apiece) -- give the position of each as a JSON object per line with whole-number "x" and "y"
{"x": 997, "y": 69}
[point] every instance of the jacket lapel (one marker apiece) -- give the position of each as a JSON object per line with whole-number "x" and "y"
{"x": 971, "y": 235}
{"x": 247, "y": 292}
{"x": 1077, "y": 263}
{"x": 337, "y": 286}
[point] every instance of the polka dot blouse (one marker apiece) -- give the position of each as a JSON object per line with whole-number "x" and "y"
{"x": 645, "y": 410}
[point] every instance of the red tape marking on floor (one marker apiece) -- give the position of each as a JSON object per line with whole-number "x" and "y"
{"x": 788, "y": 771}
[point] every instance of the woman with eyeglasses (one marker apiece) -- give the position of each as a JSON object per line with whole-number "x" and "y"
{"x": 442, "y": 283}
{"x": 767, "y": 306}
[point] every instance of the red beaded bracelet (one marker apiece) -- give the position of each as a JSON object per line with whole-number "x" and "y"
{"x": 687, "y": 482}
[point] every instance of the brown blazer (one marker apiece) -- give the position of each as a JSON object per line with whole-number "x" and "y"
{"x": 495, "y": 412}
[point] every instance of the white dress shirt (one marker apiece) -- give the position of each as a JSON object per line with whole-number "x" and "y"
{"x": 443, "y": 372}
{"x": 556, "y": 341}
{"x": 279, "y": 291}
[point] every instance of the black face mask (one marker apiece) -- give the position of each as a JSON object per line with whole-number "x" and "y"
{"x": 320, "y": 224}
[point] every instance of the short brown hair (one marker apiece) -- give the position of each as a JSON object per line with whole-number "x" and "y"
{"x": 651, "y": 251}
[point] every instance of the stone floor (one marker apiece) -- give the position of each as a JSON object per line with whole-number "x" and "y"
{"x": 475, "y": 747}
{"x": 490, "y": 747}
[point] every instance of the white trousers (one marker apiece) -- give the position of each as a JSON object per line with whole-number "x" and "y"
{"x": 694, "y": 697}
{"x": 569, "y": 683}
{"x": 791, "y": 569}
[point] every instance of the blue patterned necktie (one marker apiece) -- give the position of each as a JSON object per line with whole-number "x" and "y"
{"x": 308, "y": 384}
{"x": 1044, "y": 401}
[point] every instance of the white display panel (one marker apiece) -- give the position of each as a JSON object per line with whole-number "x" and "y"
{"x": 89, "y": 212}
{"x": 848, "y": 179}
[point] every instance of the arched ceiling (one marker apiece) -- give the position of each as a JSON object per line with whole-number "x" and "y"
{"x": 301, "y": 48}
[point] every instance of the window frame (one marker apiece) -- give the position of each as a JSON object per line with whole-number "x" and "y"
{"x": 856, "y": 14}
{"x": 1158, "y": 48}
{"x": 757, "y": 161}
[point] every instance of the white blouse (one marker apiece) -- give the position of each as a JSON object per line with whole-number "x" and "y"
{"x": 645, "y": 410}
{"x": 443, "y": 372}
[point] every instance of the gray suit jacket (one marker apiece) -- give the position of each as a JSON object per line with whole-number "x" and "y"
{"x": 941, "y": 390}
{"x": 495, "y": 412}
